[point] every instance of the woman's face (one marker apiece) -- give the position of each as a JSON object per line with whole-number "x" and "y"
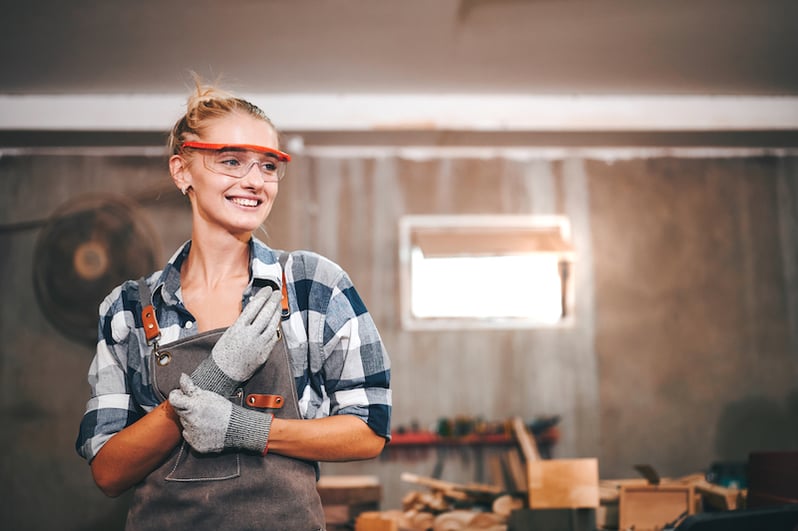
{"x": 237, "y": 205}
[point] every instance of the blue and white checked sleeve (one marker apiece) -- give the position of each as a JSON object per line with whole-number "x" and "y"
{"x": 356, "y": 367}
{"x": 111, "y": 406}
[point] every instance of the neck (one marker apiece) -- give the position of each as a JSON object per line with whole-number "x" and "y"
{"x": 215, "y": 258}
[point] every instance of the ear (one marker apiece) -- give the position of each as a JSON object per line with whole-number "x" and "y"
{"x": 181, "y": 175}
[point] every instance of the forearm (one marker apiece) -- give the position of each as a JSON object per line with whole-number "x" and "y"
{"x": 130, "y": 455}
{"x": 335, "y": 438}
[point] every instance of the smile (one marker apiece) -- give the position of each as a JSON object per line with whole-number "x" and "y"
{"x": 245, "y": 202}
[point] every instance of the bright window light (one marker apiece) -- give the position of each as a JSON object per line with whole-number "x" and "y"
{"x": 487, "y": 287}
{"x": 485, "y": 272}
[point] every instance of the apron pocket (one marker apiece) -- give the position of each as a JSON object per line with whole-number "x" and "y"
{"x": 191, "y": 465}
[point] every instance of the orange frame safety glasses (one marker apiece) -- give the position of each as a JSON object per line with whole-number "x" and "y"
{"x": 283, "y": 157}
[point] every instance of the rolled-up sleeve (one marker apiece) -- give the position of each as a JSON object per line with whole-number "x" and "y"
{"x": 356, "y": 367}
{"x": 111, "y": 406}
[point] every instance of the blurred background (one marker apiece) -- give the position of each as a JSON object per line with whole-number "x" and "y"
{"x": 649, "y": 147}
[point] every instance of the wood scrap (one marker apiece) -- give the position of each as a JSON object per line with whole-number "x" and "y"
{"x": 485, "y": 520}
{"x": 410, "y": 500}
{"x": 446, "y": 486}
{"x": 505, "y": 504}
{"x": 452, "y": 521}
{"x": 470, "y": 493}
{"x": 376, "y": 521}
{"x": 466, "y": 520}
{"x": 421, "y": 520}
{"x": 433, "y": 502}
{"x": 719, "y": 497}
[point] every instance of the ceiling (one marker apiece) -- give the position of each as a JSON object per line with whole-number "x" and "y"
{"x": 644, "y": 47}
{"x": 410, "y": 72}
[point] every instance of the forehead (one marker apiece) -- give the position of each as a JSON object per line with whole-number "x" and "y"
{"x": 240, "y": 128}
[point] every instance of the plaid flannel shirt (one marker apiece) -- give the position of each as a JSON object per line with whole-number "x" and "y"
{"x": 338, "y": 360}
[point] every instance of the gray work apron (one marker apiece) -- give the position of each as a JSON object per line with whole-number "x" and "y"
{"x": 230, "y": 490}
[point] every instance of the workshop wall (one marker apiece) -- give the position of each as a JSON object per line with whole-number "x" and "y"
{"x": 684, "y": 348}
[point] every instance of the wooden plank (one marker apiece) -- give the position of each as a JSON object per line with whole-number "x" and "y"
{"x": 454, "y": 490}
{"x": 526, "y": 441}
{"x": 563, "y": 483}
{"x": 375, "y": 521}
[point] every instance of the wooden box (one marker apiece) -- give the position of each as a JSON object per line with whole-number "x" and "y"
{"x": 345, "y": 497}
{"x": 563, "y": 483}
{"x": 651, "y": 507}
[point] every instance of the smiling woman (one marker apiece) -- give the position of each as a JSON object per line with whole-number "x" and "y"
{"x": 193, "y": 397}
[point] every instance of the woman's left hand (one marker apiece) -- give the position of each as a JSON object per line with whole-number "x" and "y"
{"x": 212, "y": 423}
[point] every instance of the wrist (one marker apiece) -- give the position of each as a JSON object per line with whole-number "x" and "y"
{"x": 169, "y": 412}
{"x": 248, "y": 429}
{"x": 209, "y": 376}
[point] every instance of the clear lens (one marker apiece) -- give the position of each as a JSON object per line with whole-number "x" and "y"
{"x": 238, "y": 163}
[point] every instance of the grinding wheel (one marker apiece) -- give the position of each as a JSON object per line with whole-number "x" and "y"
{"x": 88, "y": 247}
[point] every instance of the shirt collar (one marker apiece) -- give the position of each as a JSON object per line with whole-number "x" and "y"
{"x": 264, "y": 267}
{"x": 264, "y": 264}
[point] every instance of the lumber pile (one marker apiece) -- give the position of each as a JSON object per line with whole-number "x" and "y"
{"x": 528, "y": 492}
{"x": 445, "y": 506}
{"x": 651, "y": 502}
{"x": 522, "y": 480}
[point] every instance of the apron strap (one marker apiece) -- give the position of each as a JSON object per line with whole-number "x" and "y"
{"x": 284, "y": 302}
{"x": 151, "y": 329}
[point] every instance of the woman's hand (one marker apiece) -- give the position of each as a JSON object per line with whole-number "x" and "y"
{"x": 244, "y": 347}
{"x": 212, "y": 423}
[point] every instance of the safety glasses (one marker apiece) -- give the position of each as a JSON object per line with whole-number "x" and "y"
{"x": 237, "y": 160}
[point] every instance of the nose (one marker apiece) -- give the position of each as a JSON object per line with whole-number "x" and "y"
{"x": 253, "y": 178}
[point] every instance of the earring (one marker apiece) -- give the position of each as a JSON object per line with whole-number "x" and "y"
{"x": 184, "y": 190}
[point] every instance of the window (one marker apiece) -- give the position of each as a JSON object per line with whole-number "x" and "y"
{"x": 485, "y": 271}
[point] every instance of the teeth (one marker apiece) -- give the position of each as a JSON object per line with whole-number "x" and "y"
{"x": 244, "y": 202}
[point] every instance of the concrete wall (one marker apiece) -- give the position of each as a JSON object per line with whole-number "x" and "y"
{"x": 684, "y": 348}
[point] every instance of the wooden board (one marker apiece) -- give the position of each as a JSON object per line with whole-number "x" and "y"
{"x": 376, "y": 521}
{"x": 563, "y": 483}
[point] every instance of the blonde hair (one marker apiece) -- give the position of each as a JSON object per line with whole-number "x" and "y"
{"x": 206, "y": 104}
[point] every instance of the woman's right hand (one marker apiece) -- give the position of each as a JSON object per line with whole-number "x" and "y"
{"x": 245, "y": 345}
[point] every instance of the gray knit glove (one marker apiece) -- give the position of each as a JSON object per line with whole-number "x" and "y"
{"x": 243, "y": 347}
{"x": 212, "y": 423}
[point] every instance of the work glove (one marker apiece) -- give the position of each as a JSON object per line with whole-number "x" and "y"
{"x": 212, "y": 423}
{"x": 243, "y": 347}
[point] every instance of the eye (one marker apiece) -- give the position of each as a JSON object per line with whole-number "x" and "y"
{"x": 228, "y": 159}
{"x": 268, "y": 166}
